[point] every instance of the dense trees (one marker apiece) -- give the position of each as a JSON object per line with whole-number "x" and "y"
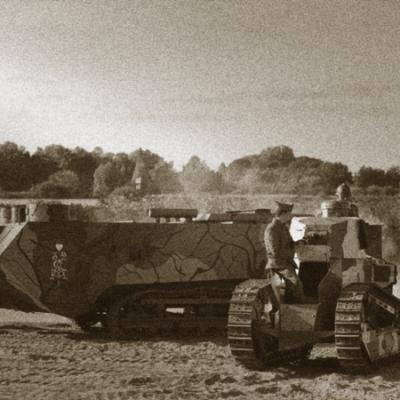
{"x": 196, "y": 176}
{"x": 56, "y": 171}
{"x": 107, "y": 177}
{"x": 392, "y": 177}
{"x": 333, "y": 174}
{"x": 368, "y": 176}
{"x": 64, "y": 183}
{"x": 164, "y": 178}
{"x": 15, "y": 171}
{"x": 274, "y": 157}
{"x": 140, "y": 172}
{"x": 277, "y": 170}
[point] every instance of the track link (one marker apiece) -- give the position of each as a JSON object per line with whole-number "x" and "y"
{"x": 240, "y": 321}
{"x": 248, "y": 345}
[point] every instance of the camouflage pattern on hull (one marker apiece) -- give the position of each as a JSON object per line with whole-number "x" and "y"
{"x": 64, "y": 267}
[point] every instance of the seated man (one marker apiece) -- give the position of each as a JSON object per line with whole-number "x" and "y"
{"x": 280, "y": 252}
{"x": 345, "y": 198}
{"x": 343, "y": 192}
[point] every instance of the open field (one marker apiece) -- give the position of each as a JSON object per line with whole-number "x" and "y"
{"x": 54, "y": 360}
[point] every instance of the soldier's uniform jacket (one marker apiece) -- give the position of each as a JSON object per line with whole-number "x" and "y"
{"x": 279, "y": 245}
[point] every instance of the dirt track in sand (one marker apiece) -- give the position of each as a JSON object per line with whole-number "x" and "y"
{"x": 43, "y": 360}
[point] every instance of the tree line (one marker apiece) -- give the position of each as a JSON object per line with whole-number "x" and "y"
{"x": 56, "y": 172}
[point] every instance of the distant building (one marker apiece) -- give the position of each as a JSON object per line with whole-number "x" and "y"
{"x": 141, "y": 177}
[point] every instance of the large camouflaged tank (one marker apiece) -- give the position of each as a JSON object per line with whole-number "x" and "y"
{"x": 176, "y": 272}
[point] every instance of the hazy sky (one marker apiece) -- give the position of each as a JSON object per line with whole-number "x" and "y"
{"x": 220, "y": 79}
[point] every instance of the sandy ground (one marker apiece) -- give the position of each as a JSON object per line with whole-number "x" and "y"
{"x": 45, "y": 357}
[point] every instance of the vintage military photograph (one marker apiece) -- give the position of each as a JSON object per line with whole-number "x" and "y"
{"x": 199, "y": 199}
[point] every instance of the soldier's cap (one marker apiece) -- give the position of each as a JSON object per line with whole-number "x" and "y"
{"x": 283, "y": 207}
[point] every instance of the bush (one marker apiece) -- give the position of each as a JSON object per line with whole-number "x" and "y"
{"x": 122, "y": 208}
{"x": 69, "y": 180}
{"x": 107, "y": 177}
{"x": 62, "y": 184}
{"x": 196, "y": 176}
{"x": 374, "y": 190}
{"x": 390, "y": 191}
{"x": 128, "y": 192}
{"x": 50, "y": 190}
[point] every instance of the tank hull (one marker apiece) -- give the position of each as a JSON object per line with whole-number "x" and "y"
{"x": 66, "y": 267}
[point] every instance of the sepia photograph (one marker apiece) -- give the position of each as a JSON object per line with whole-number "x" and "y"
{"x": 199, "y": 199}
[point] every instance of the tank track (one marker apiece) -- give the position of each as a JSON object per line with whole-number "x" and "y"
{"x": 349, "y": 320}
{"x": 242, "y": 335}
{"x": 157, "y": 323}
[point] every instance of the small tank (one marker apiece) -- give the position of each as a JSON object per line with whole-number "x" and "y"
{"x": 348, "y": 298}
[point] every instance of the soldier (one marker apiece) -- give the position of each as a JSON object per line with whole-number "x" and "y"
{"x": 280, "y": 251}
{"x": 343, "y": 195}
{"x": 343, "y": 192}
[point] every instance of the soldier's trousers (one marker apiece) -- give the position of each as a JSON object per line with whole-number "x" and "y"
{"x": 294, "y": 287}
